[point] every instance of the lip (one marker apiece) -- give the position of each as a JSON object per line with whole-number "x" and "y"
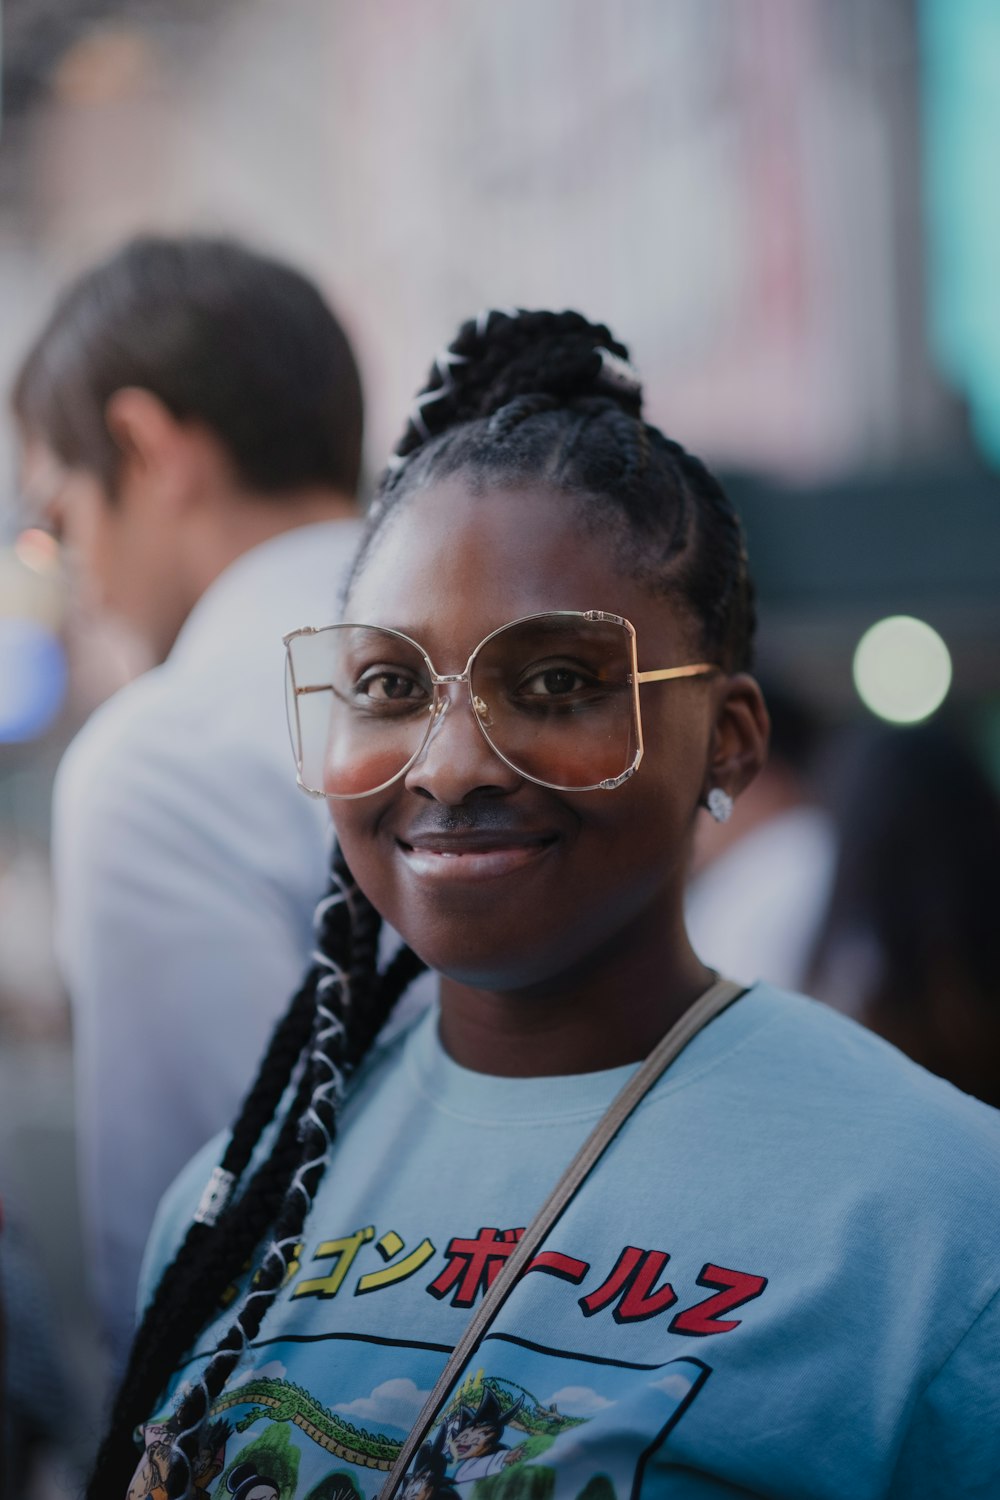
{"x": 480, "y": 854}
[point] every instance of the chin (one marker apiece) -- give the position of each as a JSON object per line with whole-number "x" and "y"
{"x": 507, "y": 964}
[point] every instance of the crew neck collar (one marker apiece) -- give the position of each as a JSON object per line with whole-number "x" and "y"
{"x": 512, "y": 1102}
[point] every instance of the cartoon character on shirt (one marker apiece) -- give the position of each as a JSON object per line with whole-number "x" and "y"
{"x": 472, "y": 1438}
{"x": 428, "y": 1479}
{"x": 150, "y": 1479}
{"x": 244, "y": 1483}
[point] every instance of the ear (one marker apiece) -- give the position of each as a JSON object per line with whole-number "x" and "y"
{"x": 155, "y": 446}
{"x": 740, "y": 736}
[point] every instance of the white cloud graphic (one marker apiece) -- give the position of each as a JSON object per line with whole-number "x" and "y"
{"x": 579, "y": 1401}
{"x": 675, "y": 1385}
{"x": 394, "y": 1402}
{"x": 273, "y": 1371}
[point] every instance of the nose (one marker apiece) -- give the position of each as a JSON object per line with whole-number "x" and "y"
{"x": 457, "y": 763}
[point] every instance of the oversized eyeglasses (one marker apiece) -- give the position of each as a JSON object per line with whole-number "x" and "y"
{"x": 555, "y": 696}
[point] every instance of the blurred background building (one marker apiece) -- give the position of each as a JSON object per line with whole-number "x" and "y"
{"x": 785, "y": 207}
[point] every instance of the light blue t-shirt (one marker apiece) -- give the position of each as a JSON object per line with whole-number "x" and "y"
{"x": 781, "y": 1280}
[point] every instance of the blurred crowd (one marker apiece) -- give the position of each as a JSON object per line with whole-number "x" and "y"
{"x": 187, "y": 431}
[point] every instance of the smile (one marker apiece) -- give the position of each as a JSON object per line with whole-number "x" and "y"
{"x": 472, "y": 856}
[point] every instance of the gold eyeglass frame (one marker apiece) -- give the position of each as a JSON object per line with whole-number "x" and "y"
{"x": 439, "y": 702}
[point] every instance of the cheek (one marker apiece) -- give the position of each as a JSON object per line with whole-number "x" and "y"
{"x": 101, "y": 537}
{"x": 356, "y": 827}
{"x": 353, "y": 764}
{"x": 676, "y": 740}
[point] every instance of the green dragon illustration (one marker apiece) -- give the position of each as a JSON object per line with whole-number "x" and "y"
{"x": 283, "y": 1401}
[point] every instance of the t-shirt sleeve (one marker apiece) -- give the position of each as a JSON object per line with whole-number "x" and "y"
{"x": 952, "y": 1445}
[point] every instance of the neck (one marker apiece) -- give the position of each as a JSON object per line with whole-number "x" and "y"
{"x": 611, "y": 1010}
{"x": 241, "y": 522}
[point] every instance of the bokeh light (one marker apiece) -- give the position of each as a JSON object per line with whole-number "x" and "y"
{"x": 902, "y": 669}
{"x": 32, "y": 584}
{"x": 32, "y": 679}
{"x": 38, "y": 550}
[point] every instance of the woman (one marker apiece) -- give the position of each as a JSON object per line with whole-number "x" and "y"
{"x": 777, "y": 1278}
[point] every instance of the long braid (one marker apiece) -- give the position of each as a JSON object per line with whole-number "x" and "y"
{"x": 188, "y": 1290}
{"x": 336, "y": 1049}
{"x": 324, "y": 1035}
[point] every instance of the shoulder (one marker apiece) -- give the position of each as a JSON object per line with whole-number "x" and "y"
{"x": 173, "y": 1217}
{"x": 808, "y": 1047}
{"x": 112, "y": 776}
{"x": 832, "y": 1049}
{"x": 815, "y": 1087}
{"x": 178, "y": 1204}
{"x": 192, "y": 756}
{"x": 124, "y": 722}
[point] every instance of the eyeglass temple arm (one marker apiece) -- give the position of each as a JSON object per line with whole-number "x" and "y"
{"x": 698, "y": 669}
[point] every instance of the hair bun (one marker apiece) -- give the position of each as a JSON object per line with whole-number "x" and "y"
{"x": 502, "y": 355}
{"x": 511, "y": 353}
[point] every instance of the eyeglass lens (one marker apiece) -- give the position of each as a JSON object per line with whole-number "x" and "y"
{"x": 552, "y": 694}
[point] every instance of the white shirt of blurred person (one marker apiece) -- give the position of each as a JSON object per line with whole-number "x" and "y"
{"x": 191, "y": 419}
{"x": 761, "y": 881}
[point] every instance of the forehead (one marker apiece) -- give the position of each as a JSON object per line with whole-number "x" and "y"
{"x": 455, "y": 563}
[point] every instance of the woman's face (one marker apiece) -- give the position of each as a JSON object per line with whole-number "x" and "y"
{"x": 497, "y": 882}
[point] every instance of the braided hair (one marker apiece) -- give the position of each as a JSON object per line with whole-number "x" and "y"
{"x": 550, "y": 398}
{"x": 517, "y": 398}
{"x": 328, "y": 1028}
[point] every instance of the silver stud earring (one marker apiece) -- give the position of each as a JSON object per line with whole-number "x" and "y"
{"x": 719, "y": 804}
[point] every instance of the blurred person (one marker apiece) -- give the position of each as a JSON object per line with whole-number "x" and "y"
{"x": 191, "y": 421}
{"x": 773, "y": 1270}
{"x": 41, "y": 1418}
{"x": 761, "y": 880}
{"x": 908, "y": 942}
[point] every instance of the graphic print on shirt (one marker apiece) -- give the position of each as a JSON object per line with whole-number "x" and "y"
{"x": 150, "y": 1480}
{"x": 492, "y": 1429}
{"x": 321, "y": 1406}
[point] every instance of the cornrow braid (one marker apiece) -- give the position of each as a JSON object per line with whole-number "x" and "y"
{"x": 520, "y": 398}
{"x": 722, "y": 594}
{"x": 330, "y": 1025}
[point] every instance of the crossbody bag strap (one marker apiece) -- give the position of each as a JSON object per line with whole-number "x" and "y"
{"x": 721, "y": 994}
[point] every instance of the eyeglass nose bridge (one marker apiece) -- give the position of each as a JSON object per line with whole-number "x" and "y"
{"x": 443, "y": 701}
{"x": 480, "y": 709}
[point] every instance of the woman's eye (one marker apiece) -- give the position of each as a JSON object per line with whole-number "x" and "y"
{"x": 554, "y": 682}
{"x": 381, "y": 685}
